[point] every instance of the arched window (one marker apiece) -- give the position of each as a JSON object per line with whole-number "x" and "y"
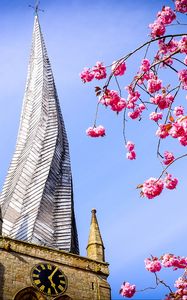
{"x": 29, "y": 293}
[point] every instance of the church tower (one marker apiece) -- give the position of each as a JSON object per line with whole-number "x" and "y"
{"x": 39, "y": 250}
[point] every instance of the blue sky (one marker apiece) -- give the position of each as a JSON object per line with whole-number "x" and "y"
{"x": 77, "y": 34}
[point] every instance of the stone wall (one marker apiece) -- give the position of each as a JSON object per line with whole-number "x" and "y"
{"x": 87, "y": 279}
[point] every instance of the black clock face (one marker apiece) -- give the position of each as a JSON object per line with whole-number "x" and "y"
{"x": 49, "y": 279}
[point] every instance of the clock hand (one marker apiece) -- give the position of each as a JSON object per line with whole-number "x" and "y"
{"x": 52, "y": 274}
{"x": 54, "y": 286}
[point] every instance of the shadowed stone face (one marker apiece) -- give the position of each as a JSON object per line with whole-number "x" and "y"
{"x": 37, "y": 197}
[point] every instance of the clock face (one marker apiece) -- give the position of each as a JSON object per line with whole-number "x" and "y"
{"x": 49, "y": 279}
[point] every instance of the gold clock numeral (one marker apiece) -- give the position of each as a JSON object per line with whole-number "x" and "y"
{"x": 42, "y": 266}
{"x": 42, "y": 288}
{"x": 49, "y": 267}
{"x": 36, "y": 269}
{"x": 61, "y": 287}
{"x": 62, "y": 281}
{"x": 36, "y": 275}
{"x": 61, "y": 275}
{"x": 49, "y": 291}
{"x": 37, "y": 281}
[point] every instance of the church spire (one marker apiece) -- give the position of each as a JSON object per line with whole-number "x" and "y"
{"x": 37, "y": 197}
{"x": 95, "y": 248}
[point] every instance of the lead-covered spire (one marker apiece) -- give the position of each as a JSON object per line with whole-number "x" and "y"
{"x": 37, "y": 197}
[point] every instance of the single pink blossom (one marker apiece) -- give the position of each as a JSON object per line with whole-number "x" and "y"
{"x": 145, "y": 65}
{"x": 183, "y": 140}
{"x": 134, "y": 114}
{"x": 154, "y": 85}
{"x": 127, "y": 290}
{"x": 96, "y": 131}
{"x": 170, "y": 183}
{"x": 183, "y": 44}
{"x": 99, "y": 70}
{"x": 152, "y": 264}
{"x": 155, "y": 116}
{"x": 130, "y": 146}
{"x": 181, "y": 6}
{"x": 183, "y": 78}
{"x": 162, "y": 131}
{"x": 166, "y": 15}
{"x": 157, "y": 29}
{"x": 168, "y": 158}
{"x": 131, "y": 155}
{"x": 86, "y": 75}
{"x": 179, "y": 111}
{"x": 176, "y": 130}
{"x": 119, "y": 106}
{"x": 118, "y": 68}
{"x": 152, "y": 187}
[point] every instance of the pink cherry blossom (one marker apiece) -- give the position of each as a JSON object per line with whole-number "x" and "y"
{"x": 183, "y": 78}
{"x": 166, "y": 16}
{"x": 183, "y": 140}
{"x": 176, "y": 130}
{"x": 181, "y": 6}
{"x": 131, "y": 155}
{"x": 179, "y": 111}
{"x": 162, "y": 100}
{"x": 118, "y": 68}
{"x": 130, "y": 146}
{"x": 155, "y": 116}
{"x": 168, "y": 48}
{"x": 162, "y": 131}
{"x": 170, "y": 183}
{"x": 135, "y": 114}
{"x": 183, "y": 44}
{"x": 119, "y": 106}
{"x": 152, "y": 264}
{"x": 152, "y": 187}
{"x": 86, "y": 75}
{"x": 141, "y": 107}
{"x": 99, "y": 71}
{"x": 154, "y": 85}
{"x": 181, "y": 282}
{"x": 96, "y": 131}
{"x": 145, "y": 65}
{"x": 127, "y": 290}
{"x": 157, "y": 29}
{"x": 168, "y": 158}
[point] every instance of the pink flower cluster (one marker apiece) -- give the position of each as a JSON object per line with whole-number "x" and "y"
{"x": 162, "y": 100}
{"x": 152, "y": 264}
{"x": 168, "y": 158}
{"x": 96, "y": 131}
{"x": 153, "y": 187}
{"x": 155, "y": 116}
{"x": 179, "y": 111}
{"x": 118, "y": 68}
{"x": 164, "y": 17}
{"x": 131, "y": 154}
{"x": 127, "y": 290}
{"x": 181, "y": 6}
{"x": 154, "y": 85}
{"x": 97, "y": 72}
{"x": 112, "y": 99}
{"x": 177, "y": 129}
{"x": 175, "y": 262}
{"x": 183, "y": 78}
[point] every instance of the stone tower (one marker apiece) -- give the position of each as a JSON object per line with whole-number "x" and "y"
{"x": 39, "y": 251}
